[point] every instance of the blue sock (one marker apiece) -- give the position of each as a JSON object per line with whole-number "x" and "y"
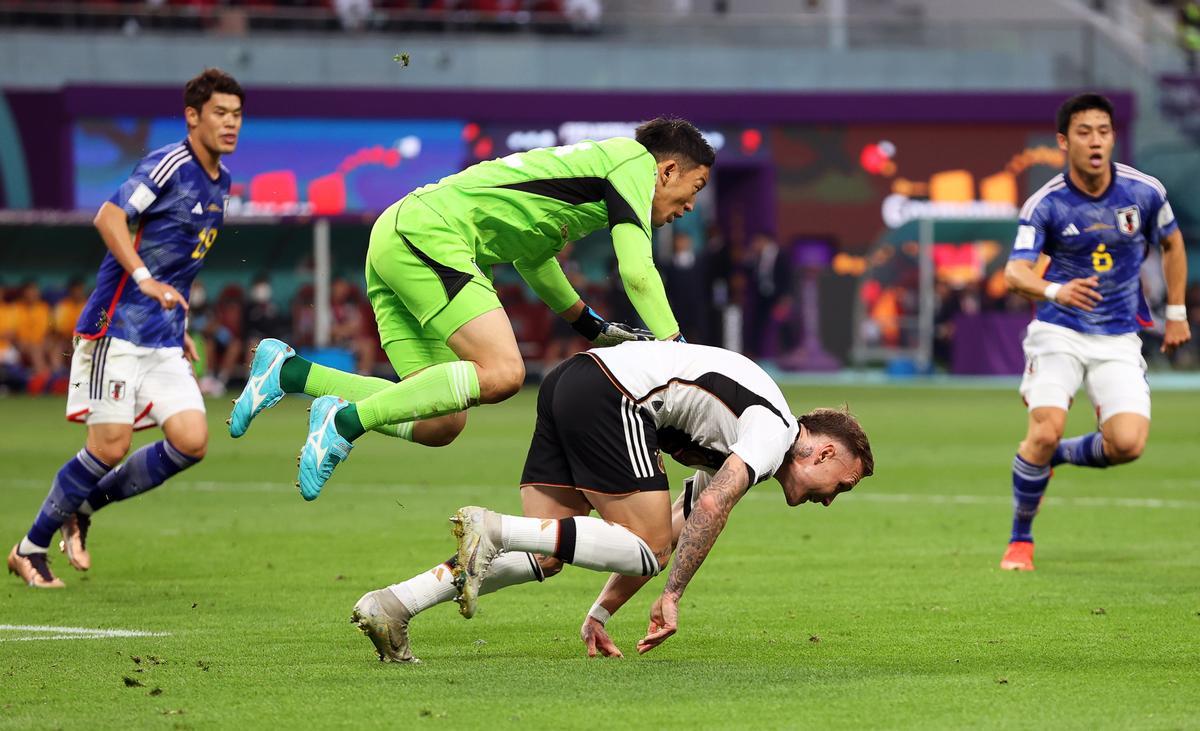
{"x": 71, "y": 486}
{"x": 1029, "y": 484}
{"x": 145, "y": 470}
{"x": 1085, "y": 451}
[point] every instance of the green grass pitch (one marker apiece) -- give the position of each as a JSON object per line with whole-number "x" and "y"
{"x": 886, "y": 610}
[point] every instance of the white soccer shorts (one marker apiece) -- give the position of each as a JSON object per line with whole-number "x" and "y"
{"x": 114, "y": 381}
{"x": 1058, "y": 360}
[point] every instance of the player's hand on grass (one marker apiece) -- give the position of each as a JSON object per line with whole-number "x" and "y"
{"x": 664, "y": 621}
{"x": 596, "y": 639}
{"x": 189, "y": 349}
{"x": 1178, "y": 332}
{"x": 601, "y": 332}
{"x": 1080, "y": 293}
{"x": 166, "y": 295}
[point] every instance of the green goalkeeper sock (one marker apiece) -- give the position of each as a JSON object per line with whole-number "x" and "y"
{"x": 320, "y": 380}
{"x": 445, "y": 388}
{"x": 348, "y": 424}
{"x": 293, "y": 373}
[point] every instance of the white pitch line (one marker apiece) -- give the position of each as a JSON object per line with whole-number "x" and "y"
{"x": 46, "y": 632}
{"x": 882, "y": 497}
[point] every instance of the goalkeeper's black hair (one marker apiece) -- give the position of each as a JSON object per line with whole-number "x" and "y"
{"x": 210, "y": 81}
{"x": 674, "y": 138}
{"x": 1082, "y": 103}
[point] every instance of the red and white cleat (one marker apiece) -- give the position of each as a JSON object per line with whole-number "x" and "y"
{"x": 33, "y": 569}
{"x": 74, "y": 541}
{"x": 1018, "y": 556}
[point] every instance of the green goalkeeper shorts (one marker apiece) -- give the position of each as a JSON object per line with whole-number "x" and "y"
{"x": 423, "y": 285}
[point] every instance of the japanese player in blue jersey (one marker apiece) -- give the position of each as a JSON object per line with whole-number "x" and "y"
{"x": 130, "y": 368}
{"x": 1095, "y": 222}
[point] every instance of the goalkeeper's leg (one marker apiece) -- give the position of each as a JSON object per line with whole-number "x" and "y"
{"x": 490, "y": 371}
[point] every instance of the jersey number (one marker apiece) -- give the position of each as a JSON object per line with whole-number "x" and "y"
{"x": 207, "y": 237}
{"x": 1102, "y": 261}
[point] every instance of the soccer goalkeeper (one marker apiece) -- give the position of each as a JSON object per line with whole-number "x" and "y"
{"x": 428, "y": 279}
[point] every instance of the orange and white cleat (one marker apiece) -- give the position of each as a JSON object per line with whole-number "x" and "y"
{"x": 74, "y": 541}
{"x": 1018, "y": 556}
{"x": 33, "y": 569}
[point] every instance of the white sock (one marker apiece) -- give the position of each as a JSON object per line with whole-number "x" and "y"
{"x": 437, "y": 584}
{"x": 536, "y": 535}
{"x": 425, "y": 590}
{"x": 27, "y": 547}
{"x": 583, "y": 541}
{"x": 510, "y": 569}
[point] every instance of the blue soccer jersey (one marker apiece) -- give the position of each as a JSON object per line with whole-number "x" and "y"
{"x": 175, "y": 211}
{"x": 1105, "y": 236}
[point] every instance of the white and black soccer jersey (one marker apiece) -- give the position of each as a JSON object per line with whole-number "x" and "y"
{"x": 705, "y": 403}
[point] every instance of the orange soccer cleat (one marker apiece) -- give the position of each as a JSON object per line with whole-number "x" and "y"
{"x": 33, "y": 569}
{"x": 74, "y": 541}
{"x": 1018, "y": 557}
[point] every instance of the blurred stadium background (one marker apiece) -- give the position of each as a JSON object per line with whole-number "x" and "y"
{"x": 872, "y": 155}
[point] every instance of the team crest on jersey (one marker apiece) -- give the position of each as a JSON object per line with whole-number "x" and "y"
{"x": 213, "y": 208}
{"x": 1129, "y": 220}
{"x": 116, "y": 390}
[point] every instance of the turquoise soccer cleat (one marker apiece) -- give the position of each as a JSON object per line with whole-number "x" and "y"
{"x": 324, "y": 449}
{"x": 262, "y": 390}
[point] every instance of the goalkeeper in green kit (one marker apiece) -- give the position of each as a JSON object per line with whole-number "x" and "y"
{"x": 428, "y": 280}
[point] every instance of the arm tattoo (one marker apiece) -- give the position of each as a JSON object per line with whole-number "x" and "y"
{"x": 704, "y": 525}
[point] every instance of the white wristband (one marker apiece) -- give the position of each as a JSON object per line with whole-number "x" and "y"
{"x": 600, "y": 614}
{"x": 1177, "y": 313}
{"x": 140, "y": 275}
{"x": 1051, "y": 292}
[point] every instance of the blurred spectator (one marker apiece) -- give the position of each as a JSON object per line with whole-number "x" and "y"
{"x": 349, "y": 327}
{"x": 69, "y": 307}
{"x": 1189, "y": 32}
{"x": 767, "y": 280}
{"x": 32, "y": 333}
{"x": 66, "y": 315}
{"x": 686, "y": 282}
{"x": 353, "y": 14}
{"x": 263, "y": 317}
{"x": 563, "y": 340}
{"x": 12, "y": 375}
{"x": 304, "y": 318}
{"x": 224, "y": 343}
{"x": 952, "y": 301}
{"x": 584, "y": 15}
{"x": 1188, "y": 355}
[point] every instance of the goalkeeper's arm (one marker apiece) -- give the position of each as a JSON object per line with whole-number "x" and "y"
{"x": 551, "y": 285}
{"x": 642, "y": 283}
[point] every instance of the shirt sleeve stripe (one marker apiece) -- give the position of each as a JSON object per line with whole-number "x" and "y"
{"x": 167, "y": 160}
{"x": 166, "y": 174}
{"x": 1125, "y": 171}
{"x": 1030, "y": 205}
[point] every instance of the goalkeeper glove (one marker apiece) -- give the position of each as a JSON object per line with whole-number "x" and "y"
{"x": 603, "y": 333}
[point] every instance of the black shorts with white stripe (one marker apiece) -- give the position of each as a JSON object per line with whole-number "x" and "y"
{"x": 590, "y": 436}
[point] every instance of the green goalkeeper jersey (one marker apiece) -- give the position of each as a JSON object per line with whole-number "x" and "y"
{"x": 525, "y": 207}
